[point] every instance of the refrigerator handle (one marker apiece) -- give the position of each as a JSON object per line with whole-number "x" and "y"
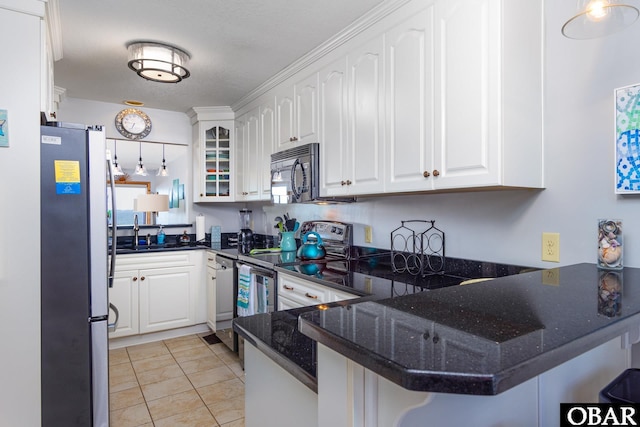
{"x": 112, "y": 326}
{"x": 114, "y": 228}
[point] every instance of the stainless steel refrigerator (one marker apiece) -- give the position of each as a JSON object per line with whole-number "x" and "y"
{"x": 75, "y": 276}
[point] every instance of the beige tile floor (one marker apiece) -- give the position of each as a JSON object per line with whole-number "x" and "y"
{"x": 177, "y": 382}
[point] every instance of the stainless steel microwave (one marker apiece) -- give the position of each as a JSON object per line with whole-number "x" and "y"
{"x": 295, "y": 176}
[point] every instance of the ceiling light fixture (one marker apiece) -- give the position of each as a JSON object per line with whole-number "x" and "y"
{"x": 162, "y": 171}
{"x": 140, "y": 169}
{"x": 117, "y": 170}
{"x": 599, "y": 18}
{"x": 158, "y": 62}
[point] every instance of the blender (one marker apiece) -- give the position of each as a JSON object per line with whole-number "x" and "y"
{"x": 245, "y": 236}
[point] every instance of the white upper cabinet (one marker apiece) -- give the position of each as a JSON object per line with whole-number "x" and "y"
{"x": 409, "y": 72}
{"x": 463, "y": 97}
{"x": 268, "y": 134}
{"x": 297, "y": 112}
{"x": 334, "y": 151}
{"x": 424, "y": 95}
{"x": 351, "y": 117}
{"x": 489, "y": 103}
{"x": 255, "y": 135}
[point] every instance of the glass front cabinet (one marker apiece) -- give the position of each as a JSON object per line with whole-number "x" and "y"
{"x": 215, "y": 157}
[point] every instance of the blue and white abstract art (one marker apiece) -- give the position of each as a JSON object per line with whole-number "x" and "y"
{"x": 628, "y": 139}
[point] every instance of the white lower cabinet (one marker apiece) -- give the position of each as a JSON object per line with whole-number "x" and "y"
{"x": 294, "y": 292}
{"x": 158, "y": 291}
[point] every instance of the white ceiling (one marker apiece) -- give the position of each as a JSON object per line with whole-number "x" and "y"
{"x": 235, "y": 45}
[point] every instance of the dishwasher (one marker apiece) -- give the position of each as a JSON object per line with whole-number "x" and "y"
{"x": 226, "y": 289}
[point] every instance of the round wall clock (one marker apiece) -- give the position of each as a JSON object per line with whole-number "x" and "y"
{"x": 133, "y": 123}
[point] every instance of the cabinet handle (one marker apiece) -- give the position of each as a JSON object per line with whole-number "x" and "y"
{"x": 288, "y": 288}
{"x": 343, "y": 183}
{"x": 426, "y": 174}
{"x": 213, "y": 277}
{"x": 348, "y": 182}
{"x": 436, "y": 173}
{"x": 142, "y": 278}
{"x": 135, "y": 279}
{"x": 201, "y": 195}
{"x": 209, "y": 259}
{"x": 308, "y": 295}
{"x": 436, "y": 339}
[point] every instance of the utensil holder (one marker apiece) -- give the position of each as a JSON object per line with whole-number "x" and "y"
{"x": 288, "y": 241}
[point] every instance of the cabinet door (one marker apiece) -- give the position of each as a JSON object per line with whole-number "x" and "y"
{"x": 252, "y": 155}
{"x": 124, "y": 295}
{"x": 211, "y": 298}
{"x": 467, "y": 153}
{"x": 285, "y": 121}
{"x": 410, "y": 104}
{"x": 240, "y": 126}
{"x": 333, "y": 128}
{"x": 268, "y": 136}
{"x": 306, "y": 110}
{"x": 166, "y": 298}
{"x": 302, "y": 291}
{"x": 216, "y": 157}
{"x": 366, "y": 115}
{"x": 287, "y": 304}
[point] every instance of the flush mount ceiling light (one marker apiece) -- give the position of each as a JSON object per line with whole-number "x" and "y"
{"x": 599, "y": 18}
{"x": 158, "y": 62}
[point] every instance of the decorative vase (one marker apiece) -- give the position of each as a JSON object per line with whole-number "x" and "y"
{"x": 288, "y": 241}
{"x": 610, "y": 244}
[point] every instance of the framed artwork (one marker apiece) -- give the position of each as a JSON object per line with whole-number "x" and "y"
{"x": 4, "y": 129}
{"x": 627, "y": 101}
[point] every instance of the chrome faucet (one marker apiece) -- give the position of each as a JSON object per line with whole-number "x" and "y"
{"x": 135, "y": 231}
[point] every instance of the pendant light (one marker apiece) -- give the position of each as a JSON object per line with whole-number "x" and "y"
{"x": 599, "y": 18}
{"x": 162, "y": 171}
{"x": 140, "y": 169}
{"x": 117, "y": 170}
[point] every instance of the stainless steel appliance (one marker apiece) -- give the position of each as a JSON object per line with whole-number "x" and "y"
{"x": 245, "y": 236}
{"x": 226, "y": 291}
{"x": 75, "y": 276}
{"x": 295, "y": 176}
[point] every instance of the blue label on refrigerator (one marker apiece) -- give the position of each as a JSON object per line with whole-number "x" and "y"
{"x": 67, "y": 176}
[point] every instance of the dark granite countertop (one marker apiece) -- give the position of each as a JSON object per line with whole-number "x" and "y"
{"x": 369, "y": 277}
{"x": 482, "y": 338}
{"x": 143, "y": 249}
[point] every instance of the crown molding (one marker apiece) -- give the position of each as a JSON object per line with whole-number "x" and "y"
{"x": 197, "y": 114}
{"x": 357, "y": 27}
{"x": 54, "y": 27}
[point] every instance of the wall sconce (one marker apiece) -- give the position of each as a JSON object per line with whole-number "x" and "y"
{"x": 153, "y": 203}
{"x": 158, "y": 62}
{"x": 599, "y": 18}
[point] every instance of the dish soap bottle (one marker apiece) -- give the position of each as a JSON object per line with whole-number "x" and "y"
{"x": 160, "y": 236}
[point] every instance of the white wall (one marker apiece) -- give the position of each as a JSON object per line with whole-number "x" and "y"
{"x": 579, "y": 167}
{"x": 20, "y": 215}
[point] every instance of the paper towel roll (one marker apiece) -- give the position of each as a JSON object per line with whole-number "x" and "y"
{"x": 199, "y": 227}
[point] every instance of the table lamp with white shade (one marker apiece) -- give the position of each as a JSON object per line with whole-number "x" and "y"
{"x": 153, "y": 203}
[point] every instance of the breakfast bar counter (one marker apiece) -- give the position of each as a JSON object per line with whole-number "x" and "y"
{"x": 524, "y": 343}
{"x": 519, "y": 344}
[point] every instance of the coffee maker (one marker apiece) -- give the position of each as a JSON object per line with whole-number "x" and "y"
{"x": 245, "y": 236}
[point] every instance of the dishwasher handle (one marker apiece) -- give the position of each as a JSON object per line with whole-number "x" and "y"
{"x": 259, "y": 271}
